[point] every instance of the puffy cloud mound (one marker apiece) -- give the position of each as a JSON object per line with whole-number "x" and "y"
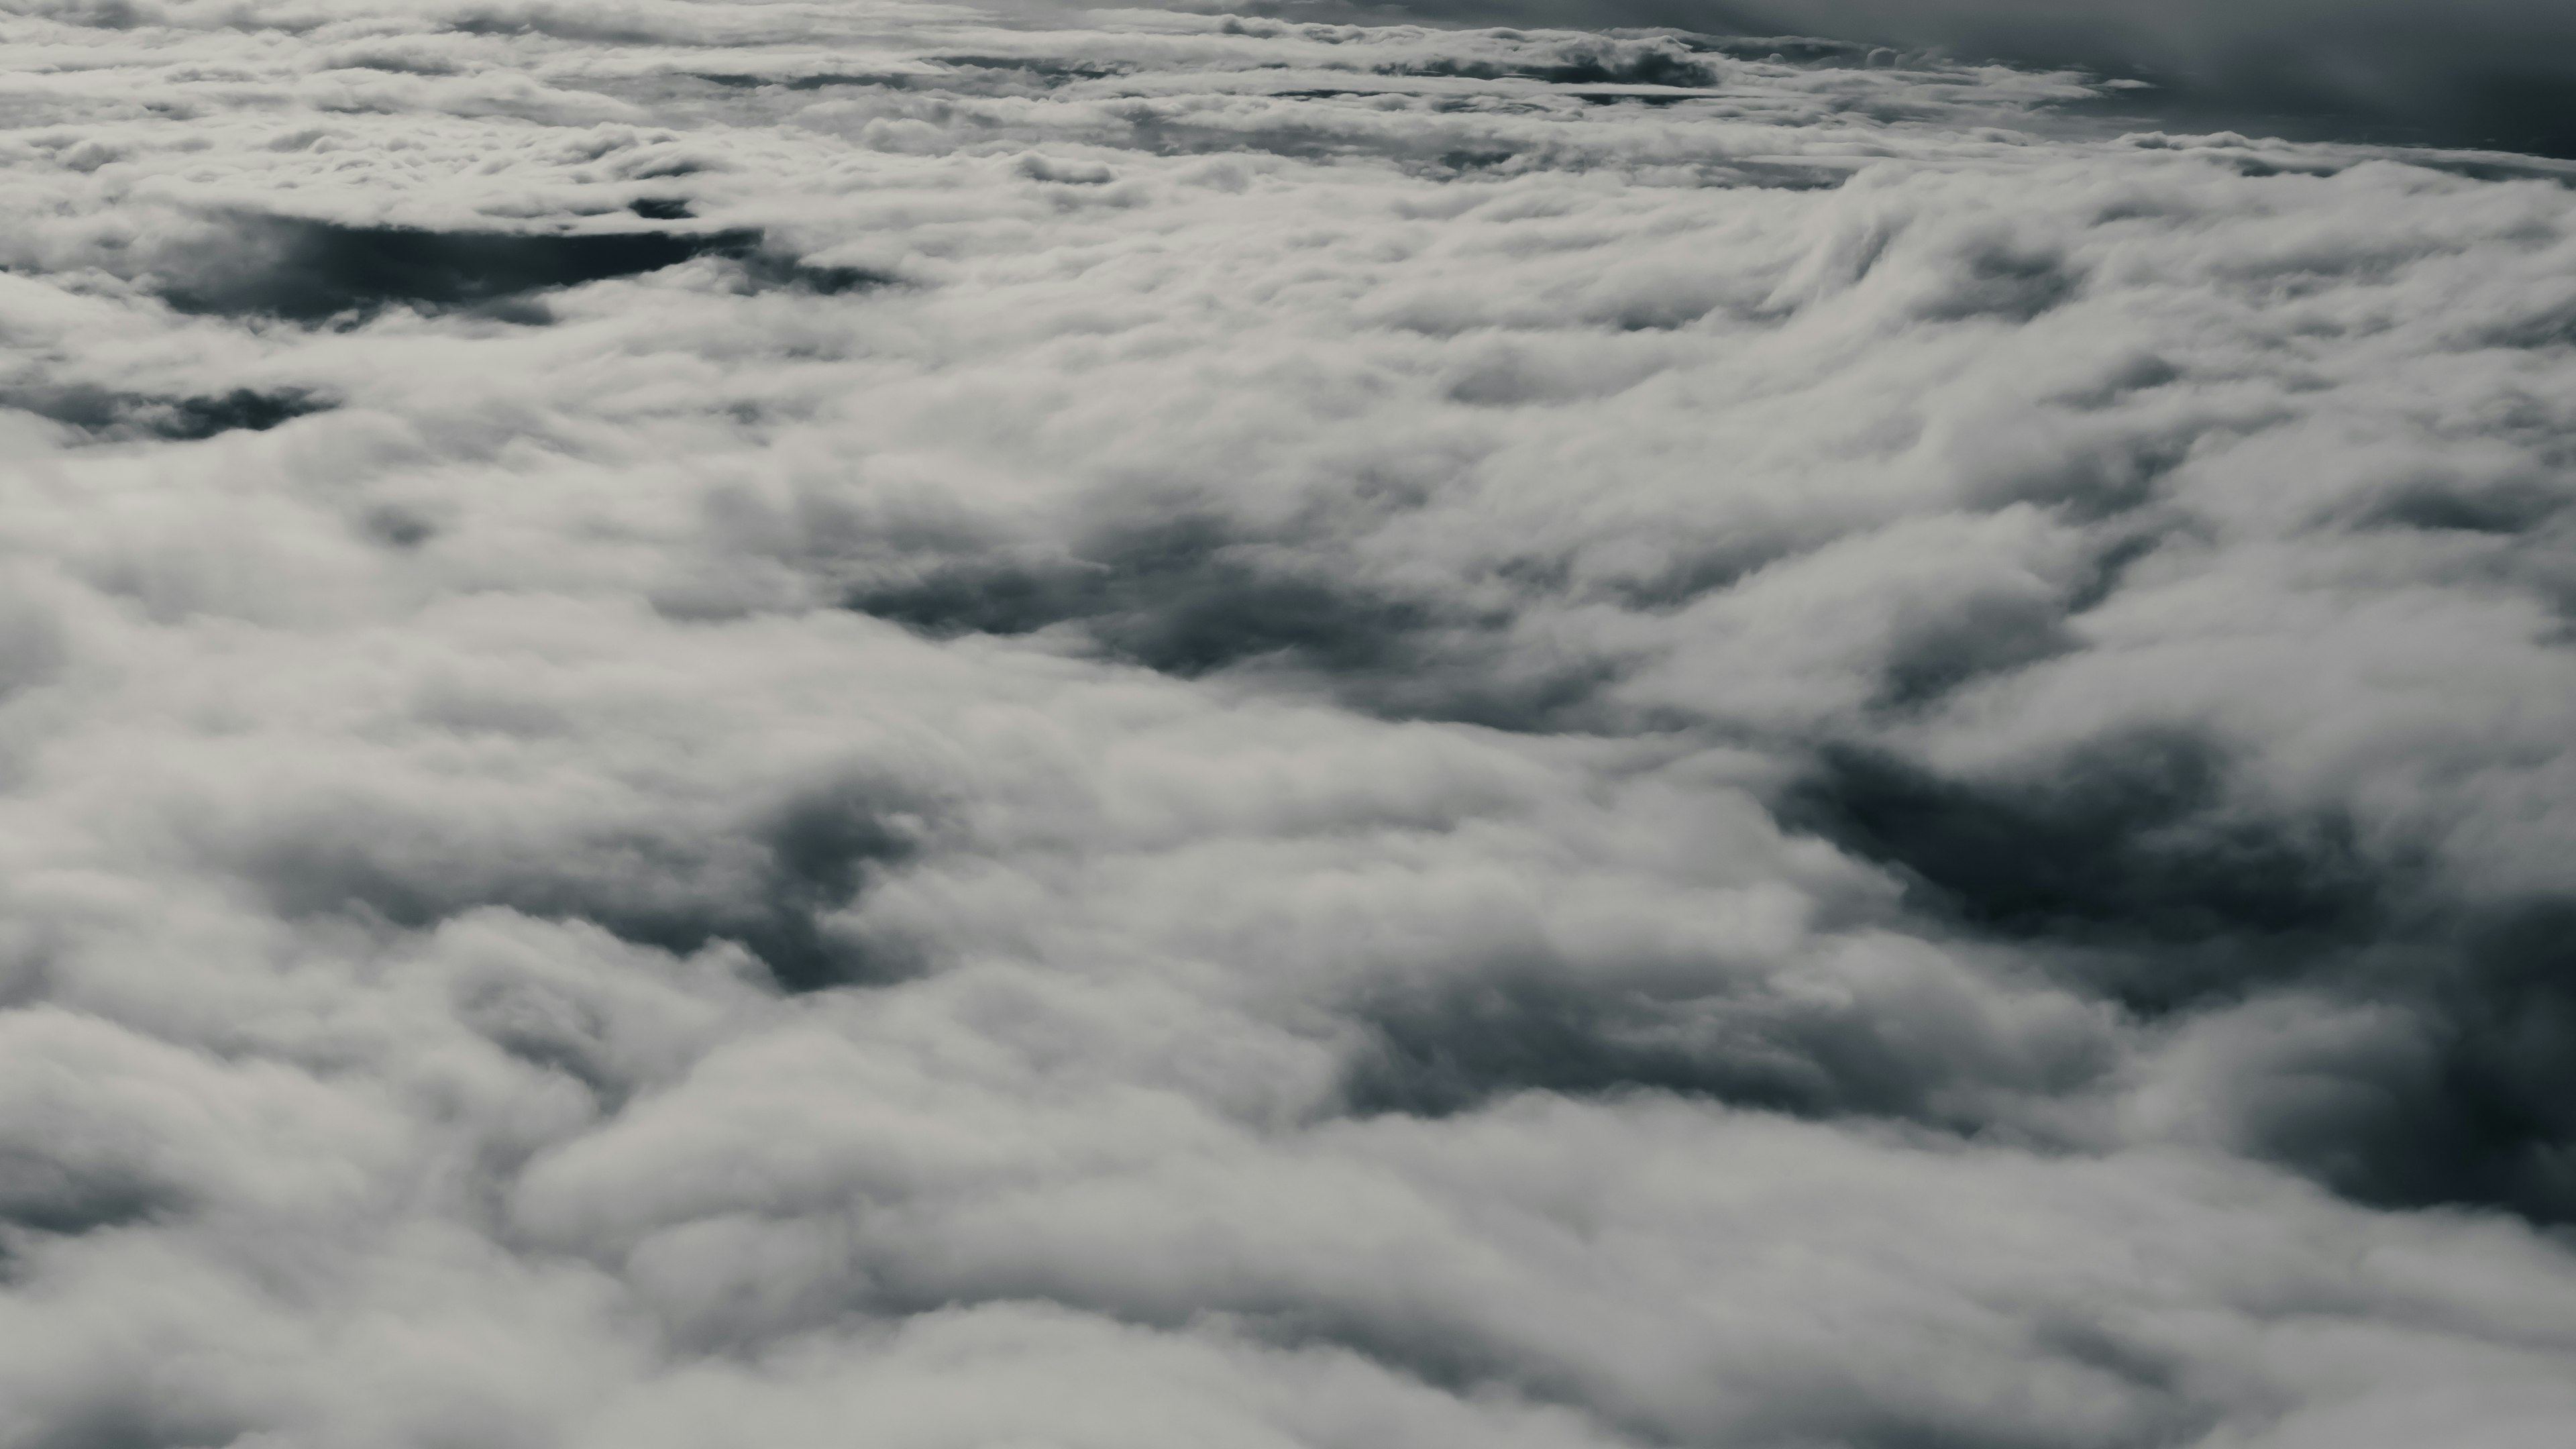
{"x": 757, "y": 723}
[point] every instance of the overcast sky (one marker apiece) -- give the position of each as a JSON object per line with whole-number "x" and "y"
{"x": 804, "y": 724}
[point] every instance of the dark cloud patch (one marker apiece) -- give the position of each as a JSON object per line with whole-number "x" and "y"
{"x": 112, "y": 415}
{"x": 1182, "y": 596}
{"x": 42, "y": 1193}
{"x": 2139, "y": 874}
{"x": 2003, "y": 283}
{"x": 1050, "y": 68}
{"x": 660, "y": 208}
{"x": 308, "y": 270}
{"x": 1551, "y": 1025}
{"x": 1658, "y": 62}
{"x": 958, "y": 75}
{"x": 1650, "y": 99}
{"x": 1793, "y": 49}
{"x": 1461, "y": 161}
{"x": 2136, "y": 840}
{"x": 768, "y": 270}
{"x": 2509, "y": 510}
{"x": 1186, "y": 597}
{"x": 2473, "y": 1102}
{"x": 769, "y": 886}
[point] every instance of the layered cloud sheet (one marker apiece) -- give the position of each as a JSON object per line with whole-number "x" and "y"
{"x": 805, "y": 724}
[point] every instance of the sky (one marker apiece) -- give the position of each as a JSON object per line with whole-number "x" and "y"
{"x": 802, "y": 723}
{"x": 2482, "y": 73}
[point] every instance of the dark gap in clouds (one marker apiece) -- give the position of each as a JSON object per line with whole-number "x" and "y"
{"x": 965, "y": 75}
{"x": 559, "y": 25}
{"x": 2512, "y": 1063}
{"x": 2133, "y": 875}
{"x": 2509, "y": 510}
{"x": 2476, "y": 1104}
{"x": 1185, "y": 596}
{"x": 1630, "y": 98}
{"x": 1538, "y": 1025}
{"x": 769, "y": 270}
{"x": 307, "y": 270}
{"x": 831, "y": 81}
{"x": 2133, "y": 840}
{"x": 1036, "y": 65}
{"x": 661, "y": 208}
{"x": 113, "y": 416}
{"x": 1181, "y": 596}
{"x": 1666, "y": 63}
{"x": 2260, "y": 168}
{"x": 45, "y": 1195}
{"x": 1806, "y": 50}
{"x": 767, "y": 885}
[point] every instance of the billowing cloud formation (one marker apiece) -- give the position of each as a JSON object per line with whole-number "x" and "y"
{"x": 757, "y": 723}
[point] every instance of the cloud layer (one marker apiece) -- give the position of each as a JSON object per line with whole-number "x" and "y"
{"x": 2493, "y": 73}
{"x": 722, "y": 722}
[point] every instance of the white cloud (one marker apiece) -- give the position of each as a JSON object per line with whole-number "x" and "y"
{"x": 717, "y": 721}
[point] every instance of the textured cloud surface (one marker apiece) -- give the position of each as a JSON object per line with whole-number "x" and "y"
{"x": 807, "y": 724}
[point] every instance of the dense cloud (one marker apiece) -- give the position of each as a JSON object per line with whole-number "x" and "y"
{"x": 720, "y": 721}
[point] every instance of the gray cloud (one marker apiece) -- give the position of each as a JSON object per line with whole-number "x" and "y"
{"x": 2487, "y": 73}
{"x": 1149, "y": 728}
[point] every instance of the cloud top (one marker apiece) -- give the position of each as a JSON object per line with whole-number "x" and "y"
{"x": 1136, "y": 728}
